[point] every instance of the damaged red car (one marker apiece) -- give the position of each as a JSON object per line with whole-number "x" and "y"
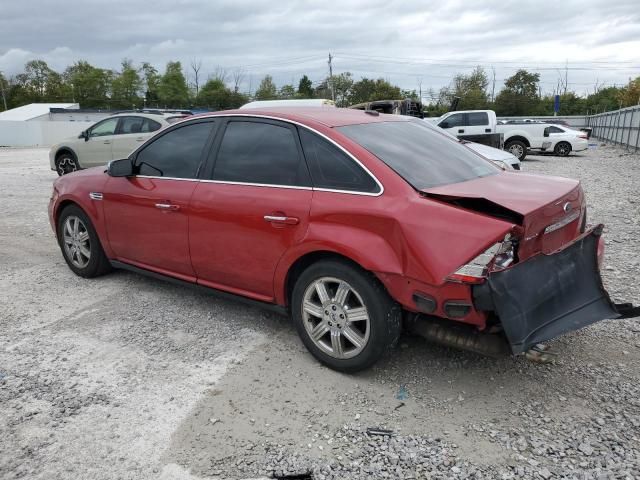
{"x": 353, "y": 222}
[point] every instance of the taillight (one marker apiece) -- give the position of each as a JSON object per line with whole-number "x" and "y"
{"x": 497, "y": 257}
{"x": 584, "y": 135}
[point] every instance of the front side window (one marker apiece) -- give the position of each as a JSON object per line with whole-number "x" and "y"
{"x": 257, "y": 152}
{"x": 106, "y": 127}
{"x": 332, "y": 168}
{"x": 176, "y": 154}
{"x": 420, "y": 154}
{"x": 455, "y": 120}
{"x": 478, "y": 118}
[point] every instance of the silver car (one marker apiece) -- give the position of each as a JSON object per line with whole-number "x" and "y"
{"x": 113, "y": 138}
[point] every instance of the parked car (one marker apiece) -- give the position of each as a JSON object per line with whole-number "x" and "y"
{"x": 303, "y": 102}
{"x": 114, "y": 137}
{"x": 408, "y": 106}
{"x": 348, "y": 221}
{"x": 566, "y": 140}
{"x": 496, "y": 155}
{"x": 479, "y": 126}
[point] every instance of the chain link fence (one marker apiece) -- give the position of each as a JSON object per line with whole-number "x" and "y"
{"x": 620, "y": 127}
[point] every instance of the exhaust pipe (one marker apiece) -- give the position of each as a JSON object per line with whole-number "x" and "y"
{"x": 457, "y": 335}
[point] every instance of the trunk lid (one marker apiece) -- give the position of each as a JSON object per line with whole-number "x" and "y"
{"x": 549, "y": 210}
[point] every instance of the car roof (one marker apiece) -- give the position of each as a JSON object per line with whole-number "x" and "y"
{"x": 152, "y": 116}
{"x": 330, "y": 117}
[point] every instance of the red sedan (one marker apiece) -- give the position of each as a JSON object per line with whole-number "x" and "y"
{"x": 348, "y": 220}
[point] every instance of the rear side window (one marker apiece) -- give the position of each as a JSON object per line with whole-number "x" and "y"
{"x": 176, "y": 154}
{"x": 420, "y": 154}
{"x": 478, "y": 118}
{"x": 150, "y": 126}
{"x": 553, "y": 129}
{"x": 333, "y": 169}
{"x": 257, "y": 152}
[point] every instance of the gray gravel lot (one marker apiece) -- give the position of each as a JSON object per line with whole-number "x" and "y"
{"x": 124, "y": 377}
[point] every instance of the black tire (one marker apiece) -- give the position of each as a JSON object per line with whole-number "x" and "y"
{"x": 97, "y": 263}
{"x": 66, "y": 163}
{"x": 384, "y": 315}
{"x": 517, "y": 149}
{"x": 562, "y": 149}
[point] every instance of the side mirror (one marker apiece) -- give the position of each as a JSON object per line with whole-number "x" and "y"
{"x": 546, "y": 132}
{"x": 444, "y": 124}
{"x": 84, "y": 134}
{"x": 120, "y": 168}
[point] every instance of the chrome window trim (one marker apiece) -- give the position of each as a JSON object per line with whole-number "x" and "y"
{"x": 294, "y": 187}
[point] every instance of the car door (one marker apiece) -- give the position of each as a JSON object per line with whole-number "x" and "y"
{"x": 146, "y": 215}
{"x": 477, "y": 123}
{"x": 131, "y": 133}
{"x": 97, "y": 147}
{"x": 252, "y": 210}
{"x": 454, "y": 124}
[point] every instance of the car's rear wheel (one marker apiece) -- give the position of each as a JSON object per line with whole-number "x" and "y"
{"x": 344, "y": 315}
{"x": 80, "y": 244}
{"x": 517, "y": 149}
{"x": 562, "y": 149}
{"x": 66, "y": 163}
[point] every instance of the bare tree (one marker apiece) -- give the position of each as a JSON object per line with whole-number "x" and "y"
{"x": 238, "y": 76}
{"x": 196, "y": 65}
{"x": 219, "y": 74}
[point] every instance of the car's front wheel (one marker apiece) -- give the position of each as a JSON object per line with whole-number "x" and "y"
{"x": 344, "y": 315}
{"x": 80, "y": 244}
{"x": 66, "y": 163}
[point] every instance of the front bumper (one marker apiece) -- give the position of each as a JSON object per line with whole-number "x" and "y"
{"x": 548, "y": 295}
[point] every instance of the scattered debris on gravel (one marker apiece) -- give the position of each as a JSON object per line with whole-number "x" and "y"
{"x": 127, "y": 377}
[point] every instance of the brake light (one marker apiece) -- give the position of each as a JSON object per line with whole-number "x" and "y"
{"x": 497, "y": 257}
{"x": 584, "y": 135}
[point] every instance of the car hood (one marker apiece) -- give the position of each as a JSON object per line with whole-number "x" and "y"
{"x": 492, "y": 153}
{"x": 522, "y": 193}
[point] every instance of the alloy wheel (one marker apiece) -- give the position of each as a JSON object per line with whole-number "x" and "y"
{"x": 516, "y": 150}
{"x": 335, "y": 317}
{"x": 66, "y": 165}
{"x": 77, "y": 243}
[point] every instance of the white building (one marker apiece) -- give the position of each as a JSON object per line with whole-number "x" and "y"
{"x": 44, "y": 124}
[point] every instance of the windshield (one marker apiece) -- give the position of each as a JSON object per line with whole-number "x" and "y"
{"x": 421, "y": 155}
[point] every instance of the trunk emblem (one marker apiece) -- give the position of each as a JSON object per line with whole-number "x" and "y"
{"x": 567, "y": 207}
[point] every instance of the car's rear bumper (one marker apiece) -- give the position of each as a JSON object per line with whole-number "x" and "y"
{"x": 548, "y": 295}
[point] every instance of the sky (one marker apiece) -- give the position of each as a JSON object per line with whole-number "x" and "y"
{"x": 415, "y": 44}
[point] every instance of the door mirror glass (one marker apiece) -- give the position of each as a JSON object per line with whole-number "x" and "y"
{"x": 444, "y": 124}
{"x": 120, "y": 168}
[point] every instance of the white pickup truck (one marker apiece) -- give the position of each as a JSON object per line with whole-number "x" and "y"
{"x": 519, "y": 138}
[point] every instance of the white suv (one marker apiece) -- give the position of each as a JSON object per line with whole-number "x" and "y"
{"x": 113, "y": 138}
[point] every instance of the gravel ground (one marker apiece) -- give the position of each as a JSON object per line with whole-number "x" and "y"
{"x": 127, "y": 377}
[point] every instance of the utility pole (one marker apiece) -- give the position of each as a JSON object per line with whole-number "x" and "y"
{"x": 566, "y": 75}
{"x": 333, "y": 92}
{"x": 493, "y": 88}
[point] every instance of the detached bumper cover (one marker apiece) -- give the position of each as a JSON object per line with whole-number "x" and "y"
{"x": 549, "y": 295}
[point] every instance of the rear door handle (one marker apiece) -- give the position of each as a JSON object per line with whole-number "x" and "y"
{"x": 140, "y": 139}
{"x": 487, "y": 130}
{"x": 461, "y": 130}
{"x": 167, "y": 207}
{"x": 107, "y": 142}
{"x": 283, "y": 220}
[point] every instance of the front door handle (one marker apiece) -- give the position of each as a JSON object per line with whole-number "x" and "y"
{"x": 461, "y": 130}
{"x": 281, "y": 219}
{"x": 168, "y": 207}
{"x": 140, "y": 139}
{"x": 487, "y": 130}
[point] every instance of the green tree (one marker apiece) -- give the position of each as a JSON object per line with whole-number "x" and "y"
{"x": 126, "y": 87}
{"x": 173, "y": 91}
{"x": 630, "y": 94}
{"x": 305, "y": 87}
{"x": 519, "y": 95}
{"x": 368, "y": 90}
{"x": 214, "y": 94}
{"x": 342, "y": 85}
{"x": 471, "y": 89}
{"x": 603, "y": 100}
{"x": 151, "y": 84}
{"x": 90, "y": 86}
{"x": 287, "y": 91}
{"x": 4, "y": 92}
{"x": 267, "y": 89}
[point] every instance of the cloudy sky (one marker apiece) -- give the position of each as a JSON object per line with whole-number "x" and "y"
{"x": 409, "y": 42}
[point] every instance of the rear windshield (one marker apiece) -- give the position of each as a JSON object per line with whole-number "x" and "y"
{"x": 420, "y": 154}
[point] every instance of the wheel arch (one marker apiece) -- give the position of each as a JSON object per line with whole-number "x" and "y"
{"x": 519, "y": 138}
{"x": 65, "y": 149}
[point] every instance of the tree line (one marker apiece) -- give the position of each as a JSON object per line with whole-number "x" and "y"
{"x": 138, "y": 86}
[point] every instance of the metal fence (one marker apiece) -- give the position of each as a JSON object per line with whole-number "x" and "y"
{"x": 620, "y": 127}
